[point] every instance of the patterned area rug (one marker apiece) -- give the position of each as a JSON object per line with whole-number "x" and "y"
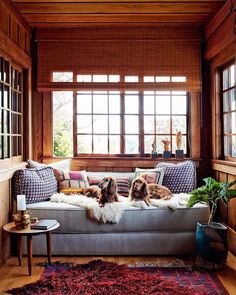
{"x": 107, "y": 278}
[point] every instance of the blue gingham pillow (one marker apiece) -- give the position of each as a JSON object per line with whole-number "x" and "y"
{"x": 179, "y": 178}
{"x": 37, "y": 184}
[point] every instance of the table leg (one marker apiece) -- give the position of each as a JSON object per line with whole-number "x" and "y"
{"x": 49, "y": 247}
{"x": 29, "y": 253}
{"x": 19, "y": 249}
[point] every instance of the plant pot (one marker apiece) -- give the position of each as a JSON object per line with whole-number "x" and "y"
{"x": 212, "y": 245}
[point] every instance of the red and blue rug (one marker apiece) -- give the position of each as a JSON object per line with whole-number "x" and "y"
{"x": 107, "y": 278}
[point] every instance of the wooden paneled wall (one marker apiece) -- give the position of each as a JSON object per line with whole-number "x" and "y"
{"x": 221, "y": 49}
{"x": 15, "y": 46}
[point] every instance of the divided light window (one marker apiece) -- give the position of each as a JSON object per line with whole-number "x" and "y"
{"x": 229, "y": 110}
{"x": 10, "y": 110}
{"x": 121, "y": 122}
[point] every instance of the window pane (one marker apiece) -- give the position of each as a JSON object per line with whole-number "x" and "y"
{"x": 84, "y": 103}
{"x": 100, "y": 78}
{"x": 84, "y": 124}
{"x": 225, "y": 79}
{"x": 114, "y": 124}
{"x": 232, "y": 76}
{"x": 131, "y": 125}
{"x": 179, "y": 105}
{"x": 131, "y": 78}
{"x": 63, "y": 123}
{"x": 233, "y": 99}
{"x": 233, "y": 122}
{"x": 148, "y": 104}
{"x": 160, "y": 145}
{"x": 14, "y": 123}
{"x": 100, "y": 124}
{"x": 183, "y": 145}
{"x": 100, "y": 103}
{"x": 114, "y": 78}
{"x": 19, "y": 102}
{"x": 6, "y": 146}
{"x": 14, "y": 145}
{"x": 6, "y": 122}
{"x": 131, "y": 144}
{"x": 131, "y": 104}
{"x": 226, "y": 145}
{"x": 233, "y": 146}
{"x": 62, "y": 77}
{"x": 179, "y": 123}
{"x": 100, "y": 144}
{"x": 162, "y": 79}
{"x": 148, "y": 141}
{"x": 163, "y": 124}
{"x": 84, "y": 78}
{"x": 226, "y": 101}
{"x": 162, "y": 104}
{"x": 148, "y": 79}
{"x": 149, "y": 124}
{"x": 1, "y": 75}
{"x": 114, "y": 104}
{"x": 14, "y": 101}
{"x": 114, "y": 144}
{"x": 84, "y": 143}
{"x": 178, "y": 79}
{"x": 226, "y": 124}
{"x": 6, "y": 97}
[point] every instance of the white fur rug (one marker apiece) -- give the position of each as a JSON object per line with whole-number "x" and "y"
{"x": 112, "y": 212}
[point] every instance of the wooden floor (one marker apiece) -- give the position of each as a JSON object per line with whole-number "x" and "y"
{"x": 12, "y": 275}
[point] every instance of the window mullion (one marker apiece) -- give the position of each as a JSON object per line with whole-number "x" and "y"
{"x": 75, "y": 135}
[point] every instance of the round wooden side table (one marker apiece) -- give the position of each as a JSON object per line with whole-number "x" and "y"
{"x": 29, "y": 233}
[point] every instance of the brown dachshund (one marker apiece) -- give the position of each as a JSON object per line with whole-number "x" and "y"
{"x": 139, "y": 190}
{"x": 108, "y": 191}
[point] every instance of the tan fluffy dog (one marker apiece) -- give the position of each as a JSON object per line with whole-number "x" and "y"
{"x": 139, "y": 190}
{"x": 157, "y": 191}
{"x": 108, "y": 191}
{"x": 93, "y": 191}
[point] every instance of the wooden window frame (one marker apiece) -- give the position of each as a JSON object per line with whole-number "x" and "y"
{"x": 11, "y": 155}
{"x": 122, "y": 133}
{"x": 229, "y": 112}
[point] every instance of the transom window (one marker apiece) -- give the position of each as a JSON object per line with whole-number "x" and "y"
{"x": 229, "y": 110}
{"x": 118, "y": 122}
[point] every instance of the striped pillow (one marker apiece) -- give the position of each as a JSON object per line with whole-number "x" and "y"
{"x": 71, "y": 179}
{"x": 123, "y": 184}
{"x": 151, "y": 175}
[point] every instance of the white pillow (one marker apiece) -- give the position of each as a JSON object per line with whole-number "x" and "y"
{"x": 60, "y": 165}
{"x": 151, "y": 175}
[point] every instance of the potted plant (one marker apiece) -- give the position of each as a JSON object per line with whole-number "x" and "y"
{"x": 211, "y": 238}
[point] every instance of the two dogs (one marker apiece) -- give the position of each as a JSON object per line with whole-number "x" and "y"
{"x": 106, "y": 191}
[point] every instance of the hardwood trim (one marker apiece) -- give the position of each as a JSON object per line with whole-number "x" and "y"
{"x": 108, "y": 1}
{"x": 218, "y": 19}
{"x": 54, "y": 20}
{"x": 16, "y": 53}
{"x": 195, "y": 121}
{"x": 111, "y": 7}
{"x": 70, "y": 86}
{"x": 10, "y": 7}
{"x": 232, "y": 240}
{"x": 224, "y": 167}
{"x": 47, "y": 125}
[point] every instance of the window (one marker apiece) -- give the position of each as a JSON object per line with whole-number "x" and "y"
{"x": 10, "y": 110}
{"x": 121, "y": 122}
{"x": 229, "y": 110}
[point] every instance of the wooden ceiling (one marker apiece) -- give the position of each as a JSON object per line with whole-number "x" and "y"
{"x": 59, "y": 13}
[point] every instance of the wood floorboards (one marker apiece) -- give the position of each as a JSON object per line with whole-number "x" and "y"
{"x": 12, "y": 275}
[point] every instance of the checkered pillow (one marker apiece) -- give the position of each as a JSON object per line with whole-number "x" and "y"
{"x": 123, "y": 184}
{"x": 150, "y": 175}
{"x": 37, "y": 185}
{"x": 71, "y": 179}
{"x": 179, "y": 178}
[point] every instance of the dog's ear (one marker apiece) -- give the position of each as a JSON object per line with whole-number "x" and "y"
{"x": 145, "y": 191}
{"x": 111, "y": 187}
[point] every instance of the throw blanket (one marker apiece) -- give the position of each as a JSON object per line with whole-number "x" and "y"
{"x": 112, "y": 212}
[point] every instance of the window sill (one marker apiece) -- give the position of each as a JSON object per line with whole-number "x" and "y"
{"x": 7, "y": 171}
